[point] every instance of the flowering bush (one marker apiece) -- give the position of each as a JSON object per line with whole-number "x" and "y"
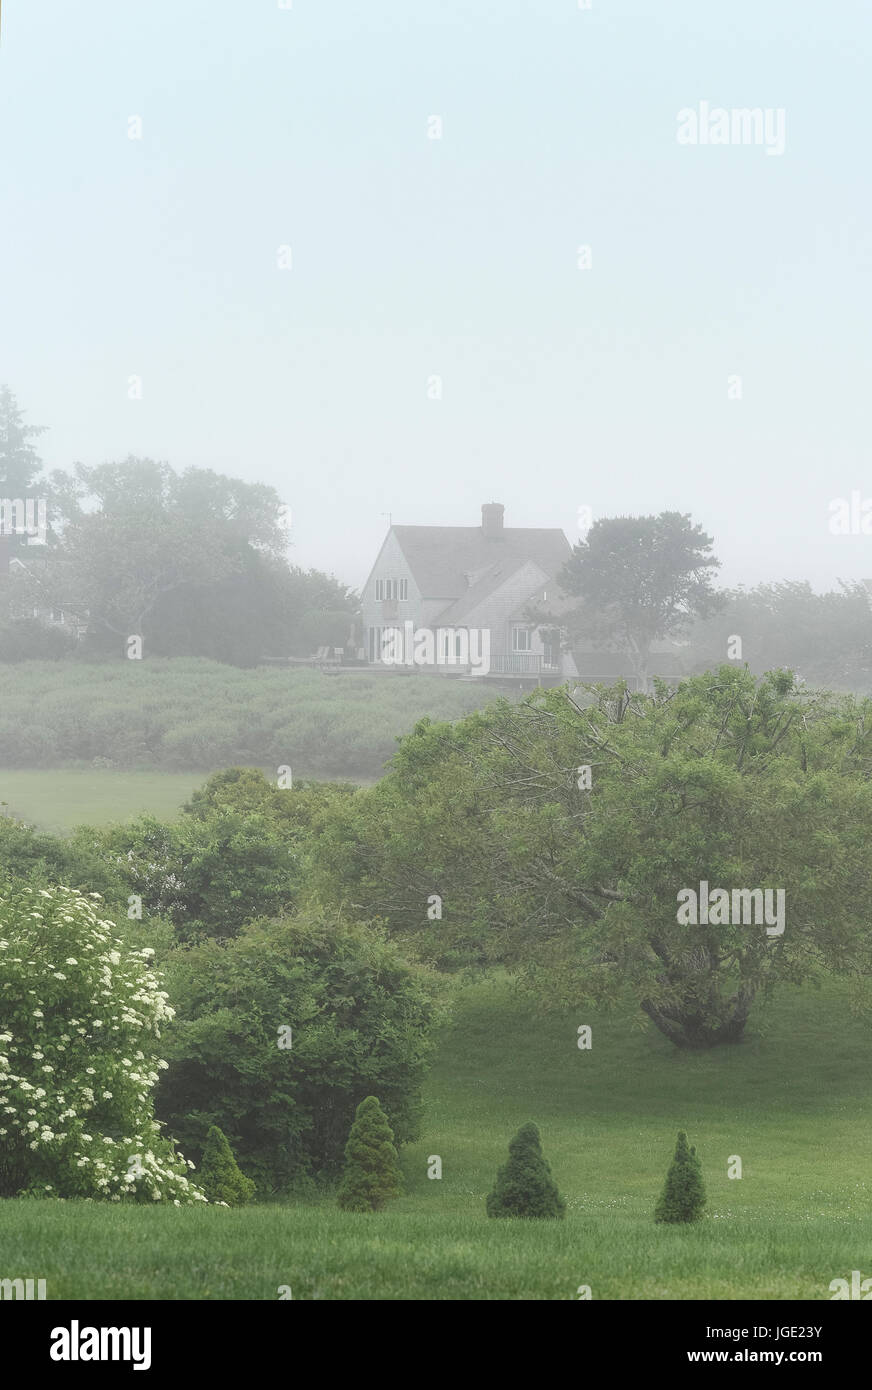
{"x": 80, "y": 1014}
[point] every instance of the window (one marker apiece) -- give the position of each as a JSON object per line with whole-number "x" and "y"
{"x": 522, "y": 639}
{"x": 392, "y": 589}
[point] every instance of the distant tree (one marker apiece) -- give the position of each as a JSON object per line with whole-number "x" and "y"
{"x": 372, "y": 1174}
{"x": 683, "y": 1196}
{"x": 135, "y": 533}
{"x": 20, "y": 465}
{"x": 825, "y": 638}
{"x": 324, "y": 627}
{"x": 27, "y": 639}
{"x": 19, "y": 462}
{"x": 524, "y": 1185}
{"x": 639, "y": 579}
{"x": 192, "y": 562}
{"x": 220, "y": 1176}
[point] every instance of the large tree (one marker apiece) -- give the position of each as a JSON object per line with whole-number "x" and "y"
{"x": 638, "y": 579}
{"x": 135, "y": 533}
{"x": 192, "y": 562}
{"x": 559, "y": 835}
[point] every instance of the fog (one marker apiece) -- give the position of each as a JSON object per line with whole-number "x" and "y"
{"x": 405, "y": 258}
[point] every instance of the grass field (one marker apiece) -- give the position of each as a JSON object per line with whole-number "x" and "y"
{"x": 795, "y": 1102}
{"x": 58, "y": 800}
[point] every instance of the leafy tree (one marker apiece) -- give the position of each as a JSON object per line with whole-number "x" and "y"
{"x": 324, "y": 627}
{"x": 208, "y": 875}
{"x": 826, "y": 638}
{"x": 45, "y": 860}
{"x": 524, "y": 1185}
{"x": 282, "y": 1031}
{"x": 136, "y": 535}
{"x": 745, "y": 784}
{"x": 639, "y": 579}
{"x": 220, "y": 1176}
{"x": 247, "y": 790}
{"x": 238, "y": 852}
{"x": 80, "y": 1016}
{"x": 20, "y": 466}
{"x": 372, "y": 1174}
{"x": 683, "y": 1196}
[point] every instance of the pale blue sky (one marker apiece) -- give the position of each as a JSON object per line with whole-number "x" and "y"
{"x": 413, "y": 257}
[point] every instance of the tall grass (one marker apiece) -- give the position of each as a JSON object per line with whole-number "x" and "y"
{"x": 194, "y": 715}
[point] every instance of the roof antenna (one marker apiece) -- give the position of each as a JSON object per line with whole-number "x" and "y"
{"x": 389, "y": 517}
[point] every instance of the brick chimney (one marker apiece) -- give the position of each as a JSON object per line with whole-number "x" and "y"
{"x": 492, "y": 521}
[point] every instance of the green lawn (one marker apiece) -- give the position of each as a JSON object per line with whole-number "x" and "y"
{"x": 795, "y": 1102}
{"x": 58, "y": 800}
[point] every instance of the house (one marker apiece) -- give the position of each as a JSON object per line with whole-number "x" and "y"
{"x": 470, "y": 588}
{"x": 458, "y": 600}
{"x": 21, "y": 604}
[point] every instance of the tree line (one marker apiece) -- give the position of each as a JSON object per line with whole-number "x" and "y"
{"x": 193, "y": 563}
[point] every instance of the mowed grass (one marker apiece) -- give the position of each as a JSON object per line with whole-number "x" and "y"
{"x": 57, "y": 801}
{"x": 794, "y": 1102}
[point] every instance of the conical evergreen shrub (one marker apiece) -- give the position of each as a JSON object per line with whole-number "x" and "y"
{"x": 524, "y": 1185}
{"x": 220, "y": 1176}
{"x": 372, "y": 1174}
{"x": 683, "y": 1195}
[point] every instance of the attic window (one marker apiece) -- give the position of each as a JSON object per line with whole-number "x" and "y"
{"x": 391, "y": 589}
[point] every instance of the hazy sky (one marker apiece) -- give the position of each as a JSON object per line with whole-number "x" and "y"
{"x": 413, "y": 257}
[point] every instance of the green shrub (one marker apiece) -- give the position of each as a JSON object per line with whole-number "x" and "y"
{"x": 524, "y": 1185}
{"x": 683, "y": 1195}
{"x": 220, "y": 1176}
{"x": 372, "y": 1174}
{"x": 359, "y": 1018}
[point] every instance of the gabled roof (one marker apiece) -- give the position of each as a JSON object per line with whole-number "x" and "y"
{"x": 487, "y": 584}
{"x": 444, "y": 559}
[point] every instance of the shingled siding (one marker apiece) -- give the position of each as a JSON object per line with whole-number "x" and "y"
{"x": 506, "y": 603}
{"x": 391, "y": 564}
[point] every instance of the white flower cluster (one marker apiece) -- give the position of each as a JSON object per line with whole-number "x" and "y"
{"x": 76, "y": 1056}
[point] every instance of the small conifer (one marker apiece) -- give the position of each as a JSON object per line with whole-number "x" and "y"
{"x": 220, "y": 1176}
{"x": 372, "y": 1174}
{"x": 683, "y": 1195}
{"x": 524, "y": 1185}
